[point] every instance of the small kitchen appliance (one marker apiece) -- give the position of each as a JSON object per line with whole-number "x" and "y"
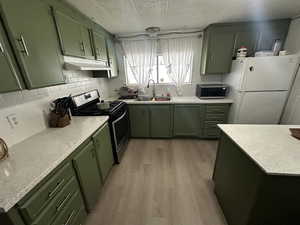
{"x": 211, "y": 91}
{"x": 86, "y": 104}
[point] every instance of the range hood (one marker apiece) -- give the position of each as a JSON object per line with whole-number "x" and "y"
{"x": 72, "y": 63}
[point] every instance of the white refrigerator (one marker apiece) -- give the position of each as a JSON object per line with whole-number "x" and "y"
{"x": 260, "y": 87}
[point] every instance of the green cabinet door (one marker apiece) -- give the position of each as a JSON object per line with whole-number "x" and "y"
{"x": 112, "y": 58}
{"x": 33, "y": 33}
{"x": 86, "y": 167}
{"x": 187, "y": 120}
{"x": 9, "y": 79}
{"x": 247, "y": 39}
{"x": 100, "y": 47}
{"x": 161, "y": 121}
{"x": 220, "y": 49}
{"x": 272, "y": 31}
{"x": 139, "y": 121}
{"x": 69, "y": 32}
{"x": 104, "y": 151}
{"x": 87, "y": 43}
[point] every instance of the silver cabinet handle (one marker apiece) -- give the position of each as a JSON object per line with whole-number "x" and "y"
{"x": 1, "y": 48}
{"x": 58, "y": 208}
{"x": 69, "y": 218}
{"x": 82, "y": 47}
{"x": 53, "y": 192}
{"x": 23, "y": 43}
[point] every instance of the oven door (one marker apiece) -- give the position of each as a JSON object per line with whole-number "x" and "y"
{"x": 120, "y": 128}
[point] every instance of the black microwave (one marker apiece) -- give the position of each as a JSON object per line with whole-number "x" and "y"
{"x": 207, "y": 91}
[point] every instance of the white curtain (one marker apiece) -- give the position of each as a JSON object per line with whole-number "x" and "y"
{"x": 141, "y": 56}
{"x": 178, "y": 54}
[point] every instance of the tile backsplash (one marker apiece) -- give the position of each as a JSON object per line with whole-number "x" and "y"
{"x": 31, "y": 107}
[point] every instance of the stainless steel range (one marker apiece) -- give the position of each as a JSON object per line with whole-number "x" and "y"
{"x": 85, "y": 104}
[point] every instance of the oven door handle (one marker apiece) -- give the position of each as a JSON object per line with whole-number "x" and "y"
{"x": 114, "y": 129}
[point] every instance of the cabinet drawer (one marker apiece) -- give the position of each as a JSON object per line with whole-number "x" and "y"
{"x": 211, "y": 124}
{"x": 216, "y": 109}
{"x": 212, "y": 132}
{"x": 57, "y": 204}
{"x": 31, "y": 208}
{"x": 221, "y": 117}
{"x": 68, "y": 214}
{"x": 80, "y": 217}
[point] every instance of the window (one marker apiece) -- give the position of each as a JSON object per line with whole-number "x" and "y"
{"x": 159, "y": 74}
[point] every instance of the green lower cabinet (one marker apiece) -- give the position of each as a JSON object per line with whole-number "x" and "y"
{"x": 187, "y": 120}
{"x": 179, "y": 120}
{"x": 87, "y": 171}
{"x": 214, "y": 114}
{"x": 161, "y": 118}
{"x": 139, "y": 121}
{"x": 69, "y": 213}
{"x": 80, "y": 217}
{"x": 58, "y": 204}
{"x": 103, "y": 147}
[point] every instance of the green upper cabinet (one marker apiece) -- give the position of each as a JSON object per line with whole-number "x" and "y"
{"x": 188, "y": 120}
{"x": 86, "y": 167}
{"x": 104, "y": 151}
{"x": 139, "y": 121}
{"x": 87, "y": 42}
{"x": 272, "y": 31}
{"x": 10, "y": 78}
{"x": 69, "y": 32}
{"x": 100, "y": 47}
{"x": 32, "y": 32}
{"x": 161, "y": 118}
{"x": 221, "y": 42}
{"x": 217, "y": 56}
{"x": 112, "y": 58}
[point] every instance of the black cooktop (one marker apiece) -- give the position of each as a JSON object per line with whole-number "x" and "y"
{"x": 93, "y": 110}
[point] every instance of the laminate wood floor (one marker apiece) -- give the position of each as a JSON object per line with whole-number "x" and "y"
{"x": 161, "y": 182}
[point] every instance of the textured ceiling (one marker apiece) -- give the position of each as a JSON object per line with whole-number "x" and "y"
{"x": 125, "y": 16}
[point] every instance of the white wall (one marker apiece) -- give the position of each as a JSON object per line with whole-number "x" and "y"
{"x": 31, "y": 107}
{"x": 292, "y": 112}
{"x": 187, "y": 90}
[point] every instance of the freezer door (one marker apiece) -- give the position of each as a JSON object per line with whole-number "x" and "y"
{"x": 269, "y": 73}
{"x": 260, "y": 107}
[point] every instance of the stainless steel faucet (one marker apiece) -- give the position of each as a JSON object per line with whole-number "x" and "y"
{"x": 153, "y": 89}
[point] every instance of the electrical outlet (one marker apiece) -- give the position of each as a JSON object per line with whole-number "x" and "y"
{"x": 12, "y": 120}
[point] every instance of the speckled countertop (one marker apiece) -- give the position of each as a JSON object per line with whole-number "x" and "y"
{"x": 271, "y": 146}
{"x": 33, "y": 159}
{"x": 183, "y": 100}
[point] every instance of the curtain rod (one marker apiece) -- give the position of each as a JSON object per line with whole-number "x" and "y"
{"x": 160, "y": 34}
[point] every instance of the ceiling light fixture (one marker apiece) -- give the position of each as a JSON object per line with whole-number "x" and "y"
{"x": 152, "y": 30}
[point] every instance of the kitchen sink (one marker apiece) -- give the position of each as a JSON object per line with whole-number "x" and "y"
{"x": 162, "y": 98}
{"x": 150, "y": 98}
{"x": 144, "y": 98}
